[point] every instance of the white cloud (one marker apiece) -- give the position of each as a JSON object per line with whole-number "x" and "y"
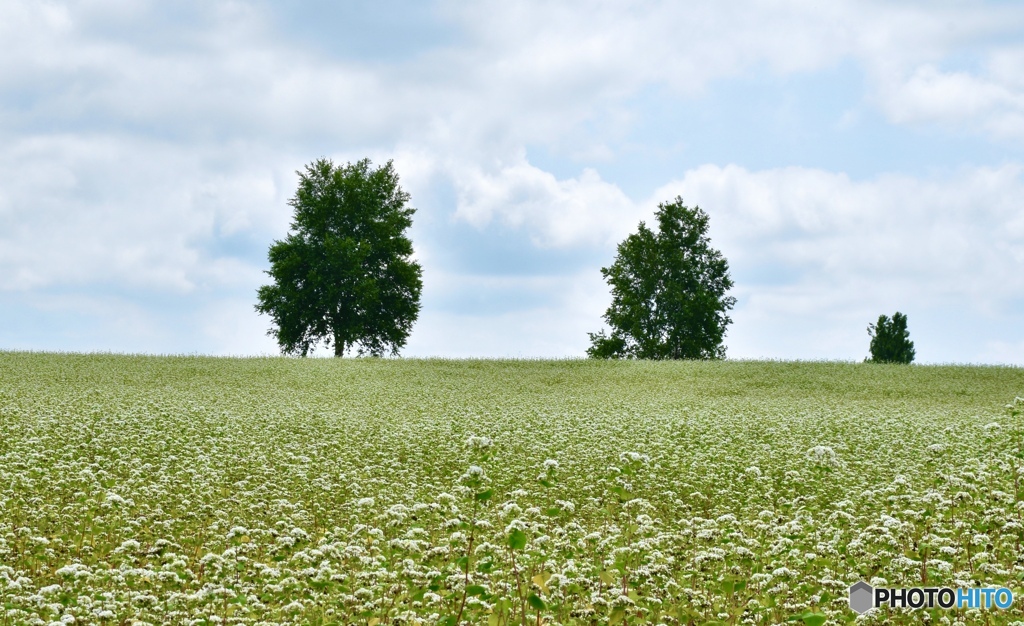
{"x": 962, "y": 99}
{"x": 85, "y": 210}
{"x": 556, "y": 212}
{"x": 962, "y": 231}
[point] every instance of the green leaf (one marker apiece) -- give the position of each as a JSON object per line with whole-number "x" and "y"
{"x": 536, "y": 602}
{"x": 814, "y": 619}
{"x": 475, "y": 590}
{"x": 484, "y": 496}
{"x": 517, "y": 539}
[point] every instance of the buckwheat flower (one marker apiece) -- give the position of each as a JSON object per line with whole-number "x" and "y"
{"x": 635, "y": 457}
{"x": 364, "y": 502}
{"x": 516, "y": 524}
{"x": 992, "y": 426}
{"x": 363, "y": 594}
{"x": 824, "y": 456}
{"x": 237, "y": 531}
{"x": 129, "y": 545}
{"x": 510, "y": 509}
{"x": 50, "y": 590}
{"x": 480, "y": 443}
{"x": 551, "y": 464}
{"x": 294, "y": 607}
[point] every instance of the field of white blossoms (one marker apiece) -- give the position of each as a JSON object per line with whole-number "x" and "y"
{"x": 188, "y": 490}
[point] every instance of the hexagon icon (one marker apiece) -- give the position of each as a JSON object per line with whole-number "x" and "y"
{"x": 861, "y": 597}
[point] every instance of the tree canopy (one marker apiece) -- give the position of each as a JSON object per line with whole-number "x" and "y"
{"x": 668, "y": 291}
{"x": 344, "y": 274}
{"x": 890, "y": 340}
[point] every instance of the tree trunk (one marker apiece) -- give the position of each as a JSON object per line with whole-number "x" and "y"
{"x": 339, "y": 348}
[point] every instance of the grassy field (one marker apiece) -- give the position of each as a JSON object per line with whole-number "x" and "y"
{"x": 189, "y": 490}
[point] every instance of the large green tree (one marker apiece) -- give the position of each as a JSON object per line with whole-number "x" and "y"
{"x": 344, "y": 273}
{"x": 890, "y": 340}
{"x": 668, "y": 291}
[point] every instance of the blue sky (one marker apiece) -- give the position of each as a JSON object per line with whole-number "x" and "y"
{"x": 856, "y": 158}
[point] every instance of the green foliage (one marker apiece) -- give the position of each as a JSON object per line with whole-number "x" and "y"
{"x": 378, "y": 492}
{"x": 890, "y": 340}
{"x": 344, "y": 275}
{"x": 517, "y": 539}
{"x": 668, "y": 292}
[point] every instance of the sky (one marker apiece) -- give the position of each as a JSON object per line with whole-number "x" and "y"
{"x": 855, "y": 159}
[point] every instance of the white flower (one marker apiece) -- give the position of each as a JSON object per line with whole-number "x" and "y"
{"x": 480, "y": 443}
{"x": 294, "y": 607}
{"x": 823, "y": 456}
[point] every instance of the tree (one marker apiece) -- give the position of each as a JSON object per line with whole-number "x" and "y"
{"x": 890, "y": 340}
{"x": 344, "y": 274}
{"x": 668, "y": 291}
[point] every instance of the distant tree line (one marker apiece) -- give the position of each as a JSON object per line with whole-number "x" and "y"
{"x": 344, "y": 276}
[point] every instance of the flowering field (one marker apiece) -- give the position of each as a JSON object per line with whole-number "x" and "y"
{"x": 192, "y": 490}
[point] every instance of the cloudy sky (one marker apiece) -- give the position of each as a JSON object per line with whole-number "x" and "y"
{"x": 856, "y": 158}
